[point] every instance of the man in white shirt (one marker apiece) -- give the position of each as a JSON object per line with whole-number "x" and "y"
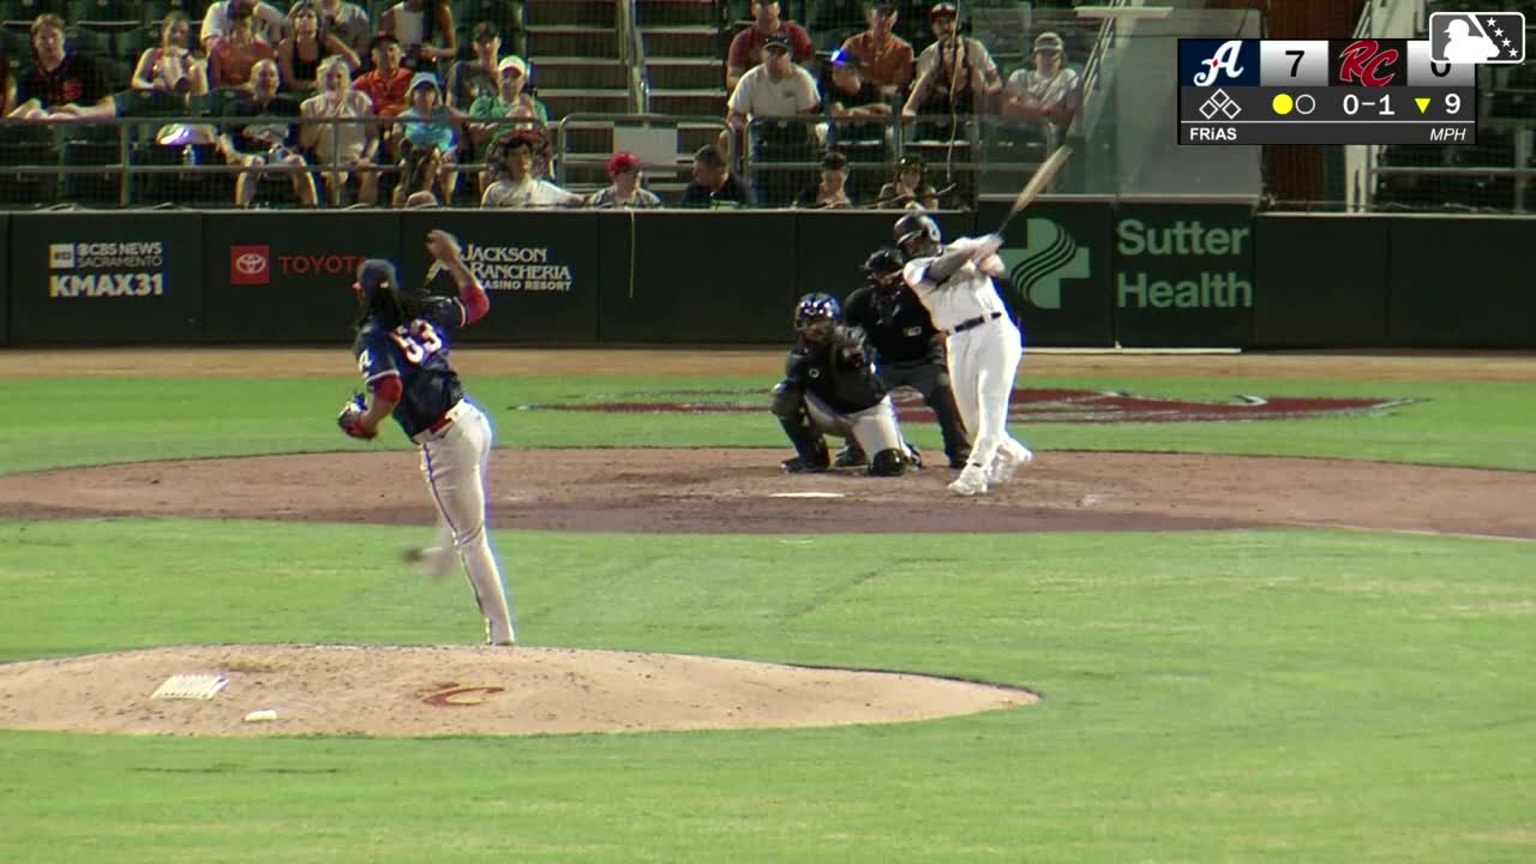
{"x": 983, "y": 344}
{"x": 269, "y": 23}
{"x": 519, "y": 188}
{"x": 955, "y": 74}
{"x": 776, "y": 88}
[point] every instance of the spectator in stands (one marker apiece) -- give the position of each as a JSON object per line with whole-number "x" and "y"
{"x": 747, "y": 46}
{"x": 419, "y": 178}
{"x": 266, "y": 137}
{"x": 300, "y": 54}
{"x": 832, "y": 192}
{"x": 349, "y": 22}
{"x": 955, "y": 74}
{"x": 471, "y": 79}
{"x": 386, "y": 86}
{"x": 713, "y": 186}
{"x": 847, "y": 96}
{"x": 61, "y": 84}
{"x": 7, "y": 87}
{"x": 1048, "y": 90}
{"x": 886, "y": 59}
{"x": 775, "y": 97}
{"x": 424, "y": 29}
{"x": 626, "y": 191}
{"x": 170, "y": 67}
{"x": 518, "y": 187}
{"x": 268, "y": 22}
{"x": 509, "y": 104}
{"x": 346, "y": 149}
{"x": 429, "y": 122}
{"x": 235, "y": 54}
{"x": 908, "y": 191}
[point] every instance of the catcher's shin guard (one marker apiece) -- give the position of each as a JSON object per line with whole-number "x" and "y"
{"x": 809, "y": 443}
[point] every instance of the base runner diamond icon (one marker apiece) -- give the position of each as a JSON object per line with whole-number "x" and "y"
{"x": 1220, "y": 102}
{"x": 1496, "y": 38}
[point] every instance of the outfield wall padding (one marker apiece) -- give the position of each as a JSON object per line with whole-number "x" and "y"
{"x": 1081, "y": 272}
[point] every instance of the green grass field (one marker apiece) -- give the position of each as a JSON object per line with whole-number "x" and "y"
{"x": 1279, "y": 695}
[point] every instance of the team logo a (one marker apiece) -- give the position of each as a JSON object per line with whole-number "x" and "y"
{"x": 1369, "y": 62}
{"x": 1051, "y": 255}
{"x": 1226, "y": 59}
{"x": 1477, "y": 37}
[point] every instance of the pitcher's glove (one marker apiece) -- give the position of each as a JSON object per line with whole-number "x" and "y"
{"x": 351, "y": 418}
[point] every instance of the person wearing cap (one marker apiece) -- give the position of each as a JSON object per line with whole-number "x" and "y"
{"x": 234, "y": 53}
{"x": 267, "y": 22}
{"x": 954, "y": 73}
{"x": 747, "y": 46}
{"x": 775, "y": 88}
{"x": 350, "y": 24}
{"x": 518, "y": 187}
{"x": 884, "y": 58}
{"x": 428, "y": 122}
{"x": 468, "y": 80}
{"x": 1047, "y": 89}
{"x": 387, "y": 84}
{"x": 831, "y": 193}
{"x": 908, "y": 191}
{"x": 626, "y": 191}
{"x": 509, "y": 103}
{"x": 848, "y": 95}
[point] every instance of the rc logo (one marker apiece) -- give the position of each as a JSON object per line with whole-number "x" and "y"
{"x": 1214, "y": 62}
{"x": 250, "y": 265}
{"x": 1036, "y": 272}
{"x": 61, "y": 256}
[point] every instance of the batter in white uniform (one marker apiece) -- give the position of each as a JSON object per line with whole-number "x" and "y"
{"x": 984, "y": 345}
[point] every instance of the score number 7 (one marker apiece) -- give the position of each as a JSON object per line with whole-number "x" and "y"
{"x": 1295, "y": 64}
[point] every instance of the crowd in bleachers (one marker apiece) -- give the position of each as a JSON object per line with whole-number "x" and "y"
{"x": 417, "y": 103}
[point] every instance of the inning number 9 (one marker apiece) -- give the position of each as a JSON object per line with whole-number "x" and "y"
{"x": 418, "y": 341}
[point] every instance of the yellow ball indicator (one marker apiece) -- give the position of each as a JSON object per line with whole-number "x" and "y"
{"x": 1282, "y": 103}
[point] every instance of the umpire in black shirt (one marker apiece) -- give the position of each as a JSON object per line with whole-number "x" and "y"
{"x": 908, "y": 350}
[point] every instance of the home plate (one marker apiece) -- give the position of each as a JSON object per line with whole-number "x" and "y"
{"x": 807, "y": 495}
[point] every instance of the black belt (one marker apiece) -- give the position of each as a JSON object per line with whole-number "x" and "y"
{"x": 973, "y": 323}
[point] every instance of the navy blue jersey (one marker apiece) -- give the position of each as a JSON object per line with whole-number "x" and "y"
{"x": 847, "y": 384}
{"x": 418, "y": 353}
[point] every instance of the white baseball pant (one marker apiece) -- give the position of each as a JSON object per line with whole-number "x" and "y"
{"x": 983, "y": 363}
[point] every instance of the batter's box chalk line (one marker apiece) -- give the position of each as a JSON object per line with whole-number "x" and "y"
{"x": 203, "y": 687}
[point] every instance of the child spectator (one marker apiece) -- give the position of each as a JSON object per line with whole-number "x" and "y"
{"x": 625, "y": 192}
{"x": 431, "y": 123}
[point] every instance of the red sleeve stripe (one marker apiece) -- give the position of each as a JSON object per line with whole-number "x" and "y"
{"x": 476, "y": 304}
{"x": 385, "y": 374}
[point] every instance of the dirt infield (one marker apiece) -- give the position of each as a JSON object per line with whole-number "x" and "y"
{"x": 383, "y": 690}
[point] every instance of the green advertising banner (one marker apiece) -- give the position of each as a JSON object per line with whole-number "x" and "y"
{"x": 1183, "y": 274}
{"x": 287, "y": 276}
{"x": 1461, "y": 282}
{"x": 1059, "y": 256}
{"x": 1340, "y": 304}
{"x": 106, "y": 278}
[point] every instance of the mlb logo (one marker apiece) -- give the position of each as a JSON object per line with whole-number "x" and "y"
{"x": 61, "y": 256}
{"x": 250, "y": 265}
{"x": 1218, "y": 63}
{"x": 1496, "y": 38}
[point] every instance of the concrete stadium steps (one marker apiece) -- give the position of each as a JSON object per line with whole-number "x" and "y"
{"x": 677, "y": 12}
{"x": 689, "y": 103}
{"x": 581, "y": 73}
{"x": 583, "y": 101}
{"x": 683, "y": 41}
{"x": 582, "y": 12}
{"x": 685, "y": 73}
{"x": 561, "y": 40}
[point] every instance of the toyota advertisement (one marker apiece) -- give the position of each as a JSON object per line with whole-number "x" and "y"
{"x": 291, "y": 273}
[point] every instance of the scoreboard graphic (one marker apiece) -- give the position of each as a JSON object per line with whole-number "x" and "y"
{"x": 1324, "y": 91}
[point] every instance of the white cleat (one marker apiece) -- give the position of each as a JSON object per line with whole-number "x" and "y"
{"x": 972, "y": 481}
{"x": 1008, "y": 464}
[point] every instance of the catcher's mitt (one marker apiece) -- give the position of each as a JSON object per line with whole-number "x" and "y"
{"x": 848, "y": 345}
{"x": 351, "y": 417}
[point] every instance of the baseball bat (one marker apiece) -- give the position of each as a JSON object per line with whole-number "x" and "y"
{"x": 1043, "y": 176}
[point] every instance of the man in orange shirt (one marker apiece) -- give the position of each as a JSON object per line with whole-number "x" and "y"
{"x": 884, "y": 58}
{"x": 388, "y": 84}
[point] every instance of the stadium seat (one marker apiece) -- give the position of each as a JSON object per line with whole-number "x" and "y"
{"x": 19, "y": 149}
{"x": 26, "y": 10}
{"x": 99, "y": 190}
{"x": 102, "y": 10}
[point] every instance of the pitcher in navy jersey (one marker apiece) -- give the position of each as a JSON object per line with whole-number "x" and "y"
{"x": 402, "y": 353}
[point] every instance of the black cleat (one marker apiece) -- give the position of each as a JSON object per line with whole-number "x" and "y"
{"x": 796, "y": 465}
{"x": 850, "y": 458}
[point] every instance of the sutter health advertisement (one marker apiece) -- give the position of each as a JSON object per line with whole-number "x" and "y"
{"x": 1183, "y": 275}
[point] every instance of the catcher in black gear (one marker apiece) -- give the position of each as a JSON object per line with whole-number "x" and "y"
{"x": 908, "y": 350}
{"x": 830, "y": 388}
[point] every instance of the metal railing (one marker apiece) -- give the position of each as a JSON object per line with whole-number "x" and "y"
{"x": 632, "y": 54}
{"x": 573, "y": 157}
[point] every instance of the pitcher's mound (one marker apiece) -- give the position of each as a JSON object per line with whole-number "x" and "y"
{"x": 416, "y": 691}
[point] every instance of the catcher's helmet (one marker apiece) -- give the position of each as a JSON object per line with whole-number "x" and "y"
{"x": 917, "y": 232}
{"x": 813, "y": 307}
{"x": 883, "y": 264}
